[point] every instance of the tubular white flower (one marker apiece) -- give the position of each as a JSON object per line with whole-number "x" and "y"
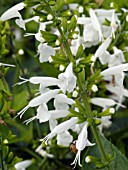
{"x": 117, "y": 58}
{"x": 103, "y": 102}
{"x": 103, "y": 47}
{"x": 67, "y": 80}
{"x": 60, "y": 128}
{"x": 96, "y": 23}
{"x": 45, "y": 52}
{"x": 61, "y": 101}
{"x": 44, "y": 81}
{"x": 115, "y": 70}
{"x": 13, "y": 13}
{"x": 43, "y": 98}
{"x": 23, "y": 165}
{"x": 81, "y": 143}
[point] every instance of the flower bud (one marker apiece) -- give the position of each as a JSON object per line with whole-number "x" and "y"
{"x": 81, "y": 9}
{"x": 74, "y": 94}
{"x": 49, "y": 17}
{"x": 94, "y": 88}
{"x": 57, "y": 43}
{"x": 61, "y": 68}
{"x": 21, "y": 52}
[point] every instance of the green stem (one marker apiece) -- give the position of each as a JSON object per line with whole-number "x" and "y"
{"x": 93, "y": 126}
{"x": 83, "y": 94}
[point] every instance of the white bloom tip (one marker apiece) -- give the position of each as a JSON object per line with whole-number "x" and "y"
{"x": 74, "y": 36}
{"x": 81, "y": 9}
{"x": 87, "y": 159}
{"x": 21, "y": 52}
{"x": 111, "y": 4}
{"x": 76, "y": 109}
{"x": 93, "y": 58}
{"x": 57, "y": 43}
{"x": 112, "y": 110}
{"x": 94, "y": 88}
{"x": 50, "y": 59}
{"x": 61, "y": 68}
{"x": 74, "y": 94}
{"x": 5, "y": 141}
{"x": 49, "y": 17}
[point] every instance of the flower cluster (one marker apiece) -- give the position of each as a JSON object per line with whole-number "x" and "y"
{"x": 65, "y": 91}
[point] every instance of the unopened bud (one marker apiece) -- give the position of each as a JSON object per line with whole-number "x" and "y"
{"x": 50, "y": 59}
{"x": 94, "y": 88}
{"x": 21, "y": 52}
{"x": 112, "y": 110}
{"x": 75, "y": 94}
{"x": 75, "y": 36}
{"x": 49, "y": 17}
{"x": 76, "y": 109}
{"x": 81, "y": 9}
{"x": 87, "y": 159}
{"x": 61, "y": 68}
{"x": 57, "y": 42}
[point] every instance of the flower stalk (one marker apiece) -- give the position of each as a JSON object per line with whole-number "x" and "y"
{"x": 83, "y": 95}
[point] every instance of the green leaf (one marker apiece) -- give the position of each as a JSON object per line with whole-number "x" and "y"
{"x": 3, "y": 131}
{"x": 72, "y": 24}
{"x": 120, "y": 162}
{"x": 49, "y": 37}
{"x": 59, "y": 5}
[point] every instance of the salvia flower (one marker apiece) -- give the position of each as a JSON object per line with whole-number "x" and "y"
{"x": 60, "y": 128}
{"x": 23, "y": 165}
{"x": 14, "y": 13}
{"x": 43, "y": 98}
{"x": 81, "y": 143}
{"x": 67, "y": 80}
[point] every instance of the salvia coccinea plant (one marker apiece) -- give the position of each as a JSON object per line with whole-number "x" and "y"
{"x": 83, "y": 47}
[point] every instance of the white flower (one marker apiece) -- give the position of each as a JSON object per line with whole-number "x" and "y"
{"x": 60, "y": 128}
{"x": 23, "y": 165}
{"x": 117, "y": 58}
{"x": 67, "y": 80}
{"x": 81, "y": 143}
{"x": 103, "y": 102}
{"x": 45, "y": 52}
{"x": 102, "y": 48}
{"x": 96, "y": 24}
{"x": 43, "y": 98}
{"x": 117, "y": 72}
{"x": 13, "y": 13}
{"x": 62, "y": 102}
